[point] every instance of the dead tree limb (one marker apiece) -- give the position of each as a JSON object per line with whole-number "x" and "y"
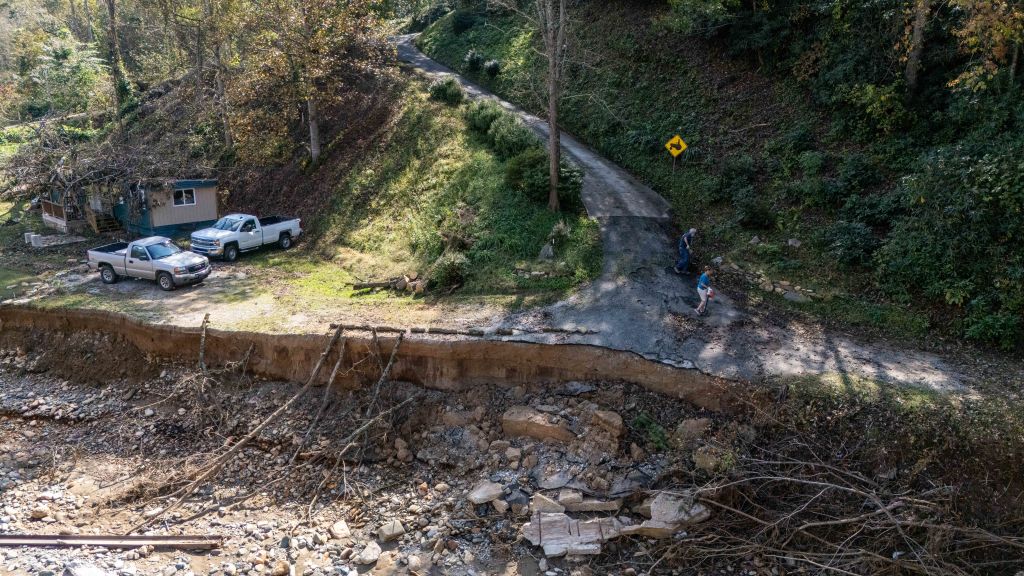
{"x": 323, "y": 403}
{"x": 384, "y": 375}
{"x": 219, "y": 462}
{"x": 202, "y": 344}
{"x": 349, "y": 443}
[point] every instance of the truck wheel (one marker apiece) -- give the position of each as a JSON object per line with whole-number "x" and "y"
{"x": 165, "y": 281}
{"x": 285, "y": 241}
{"x": 107, "y": 274}
{"x": 231, "y": 252}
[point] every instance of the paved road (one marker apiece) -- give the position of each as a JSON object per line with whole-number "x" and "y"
{"x": 639, "y": 304}
{"x": 608, "y": 191}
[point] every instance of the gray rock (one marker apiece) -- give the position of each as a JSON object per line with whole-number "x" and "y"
{"x": 485, "y": 491}
{"x": 369, "y": 555}
{"x": 340, "y": 530}
{"x": 79, "y": 568}
{"x": 794, "y": 243}
{"x": 796, "y": 297}
{"x": 391, "y": 530}
{"x": 547, "y": 252}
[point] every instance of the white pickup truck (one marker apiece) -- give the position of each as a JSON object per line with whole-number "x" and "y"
{"x": 237, "y": 233}
{"x": 154, "y": 258}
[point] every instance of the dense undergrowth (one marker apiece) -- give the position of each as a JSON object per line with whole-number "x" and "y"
{"x": 899, "y": 199}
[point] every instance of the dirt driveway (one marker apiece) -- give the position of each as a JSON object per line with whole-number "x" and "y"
{"x": 248, "y": 296}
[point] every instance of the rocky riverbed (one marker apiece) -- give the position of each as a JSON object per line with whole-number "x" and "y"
{"x": 451, "y": 483}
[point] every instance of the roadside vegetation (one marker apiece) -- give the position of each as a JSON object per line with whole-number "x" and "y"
{"x": 896, "y": 193}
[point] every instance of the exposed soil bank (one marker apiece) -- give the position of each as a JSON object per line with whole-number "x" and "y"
{"x": 445, "y": 364}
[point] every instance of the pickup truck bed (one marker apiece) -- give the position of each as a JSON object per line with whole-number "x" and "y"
{"x": 117, "y": 249}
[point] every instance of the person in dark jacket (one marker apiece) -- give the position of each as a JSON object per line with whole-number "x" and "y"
{"x": 685, "y": 243}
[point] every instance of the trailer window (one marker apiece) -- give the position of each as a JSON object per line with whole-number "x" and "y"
{"x": 186, "y": 197}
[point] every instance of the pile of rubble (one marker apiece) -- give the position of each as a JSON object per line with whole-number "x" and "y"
{"x": 461, "y": 483}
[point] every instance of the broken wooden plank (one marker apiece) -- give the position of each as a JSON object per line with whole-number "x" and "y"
{"x": 112, "y": 541}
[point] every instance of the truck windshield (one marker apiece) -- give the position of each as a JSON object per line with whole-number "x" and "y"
{"x": 226, "y": 224}
{"x": 163, "y": 250}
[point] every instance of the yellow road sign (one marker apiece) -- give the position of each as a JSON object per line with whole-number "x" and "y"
{"x": 675, "y": 146}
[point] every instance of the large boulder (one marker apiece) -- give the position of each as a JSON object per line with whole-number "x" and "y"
{"x": 525, "y": 421}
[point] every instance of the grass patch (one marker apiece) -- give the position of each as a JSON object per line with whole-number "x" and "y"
{"x": 9, "y": 279}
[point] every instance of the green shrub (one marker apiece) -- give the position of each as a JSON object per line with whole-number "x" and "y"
{"x": 808, "y": 191}
{"x": 428, "y": 15}
{"x": 481, "y": 114}
{"x": 811, "y": 162}
{"x": 959, "y": 237}
{"x": 649, "y": 429}
{"x": 75, "y": 134}
{"x": 463, "y": 21}
{"x": 529, "y": 173}
{"x": 986, "y": 324}
{"x": 858, "y": 173}
{"x": 850, "y": 243}
{"x": 752, "y": 211}
{"x": 878, "y": 210}
{"x": 474, "y": 60}
{"x": 492, "y": 68}
{"x": 448, "y": 91}
{"x": 449, "y": 270}
{"x": 738, "y": 173}
{"x": 509, "y": 136}
{"x": 16, "y": 134}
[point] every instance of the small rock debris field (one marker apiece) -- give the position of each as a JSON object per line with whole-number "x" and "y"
{"x": 451, "y": 483}
{"x": 575, "y": 479}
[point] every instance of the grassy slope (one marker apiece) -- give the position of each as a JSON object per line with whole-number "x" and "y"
{"x": 430, "y": 176}
{"x": 635, "y": 87}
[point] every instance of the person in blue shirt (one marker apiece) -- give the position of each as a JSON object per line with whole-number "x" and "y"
{"x": 704, "y": 289}
{"x": 684, "y": 251}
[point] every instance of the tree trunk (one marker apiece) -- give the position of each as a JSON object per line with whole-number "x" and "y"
{"x": 1013, "y": 67}
{"x": 314, "y": 130}
{"x": 88, "y": 22}
{"x": 200, "y": 53}
{"x": 554, "y": 20}
{"x": 222, "y": 102}
{"x": 921, "y": 9}
{"x": 554, "y": 136}
{"x": 121, "y": 86}
{"x": 75, "y": 23}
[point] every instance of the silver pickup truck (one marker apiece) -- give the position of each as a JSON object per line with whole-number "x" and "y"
{"x": 153, "y": 258}
{"x": 236, "y": 233}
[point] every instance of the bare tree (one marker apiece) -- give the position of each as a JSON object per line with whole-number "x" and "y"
{"x": 552, "y": 21}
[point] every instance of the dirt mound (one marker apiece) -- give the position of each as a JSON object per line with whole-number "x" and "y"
{"x": 95, "y": 357}
{"x": 297, "y": 189}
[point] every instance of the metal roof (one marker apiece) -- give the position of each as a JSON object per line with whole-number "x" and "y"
{"x": 182, "y": 184}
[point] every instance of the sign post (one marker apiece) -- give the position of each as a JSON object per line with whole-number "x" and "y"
{"x": 675, "y": 147}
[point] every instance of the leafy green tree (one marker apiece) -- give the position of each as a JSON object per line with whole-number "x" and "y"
{"x": 65, "y": 76}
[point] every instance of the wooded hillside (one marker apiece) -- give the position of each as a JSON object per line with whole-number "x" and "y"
{"x": 886, "y": 137}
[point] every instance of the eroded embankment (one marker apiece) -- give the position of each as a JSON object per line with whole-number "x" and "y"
{"x": 446, "y": 364}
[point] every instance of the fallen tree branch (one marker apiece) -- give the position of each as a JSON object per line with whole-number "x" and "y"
{"x": 323, "y": 403}
{"x": 180, "y": 496}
